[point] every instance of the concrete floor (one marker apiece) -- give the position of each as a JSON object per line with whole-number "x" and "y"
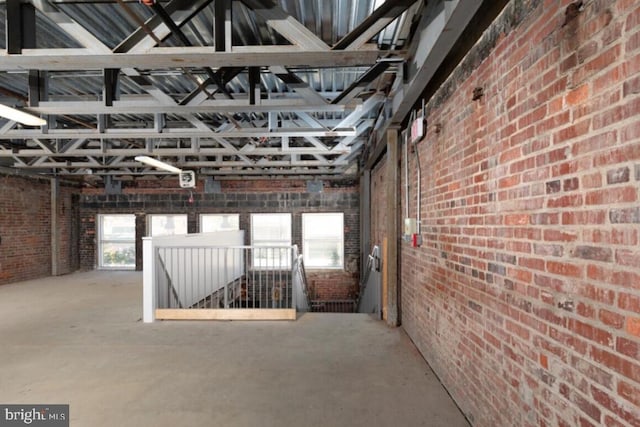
{"x": 78, "y": 339}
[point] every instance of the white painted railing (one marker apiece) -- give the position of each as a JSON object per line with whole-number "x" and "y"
{"x": 195, "y": 277}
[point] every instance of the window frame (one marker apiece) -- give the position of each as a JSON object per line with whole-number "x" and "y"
{"x": 256, "y": 243}
{"x": 203, "y": 215}
{"x": 306, "y": 246}
{"x": 150, "y": 224}
{"x": 101, "y": 242}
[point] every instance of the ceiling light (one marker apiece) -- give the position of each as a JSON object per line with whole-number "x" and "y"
{"x": 21, "y": 116}
{"x": 158, "y": 164}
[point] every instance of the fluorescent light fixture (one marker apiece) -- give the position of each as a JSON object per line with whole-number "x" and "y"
{"x": 21, "y": 116}
{"x": 158, "y": 164}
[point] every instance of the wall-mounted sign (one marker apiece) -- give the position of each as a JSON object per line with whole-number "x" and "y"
{"x": 187, "y": 179}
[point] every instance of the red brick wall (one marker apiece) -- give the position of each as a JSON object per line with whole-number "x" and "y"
{"x": 525, "y": 297}
{"x": 25, "y": 229}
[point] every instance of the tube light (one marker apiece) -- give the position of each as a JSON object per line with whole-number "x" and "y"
{"x": 21, "y": 116}
{"x": 158, "y": 164}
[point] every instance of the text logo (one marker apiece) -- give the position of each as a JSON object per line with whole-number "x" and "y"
{"x": 34, "y": 415}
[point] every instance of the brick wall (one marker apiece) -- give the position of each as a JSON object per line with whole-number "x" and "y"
{"x": 25, "y": 228}
{"x": 525, "y": 297}
{"x": 378, "y": 204}
{"x": 241, "y": 197}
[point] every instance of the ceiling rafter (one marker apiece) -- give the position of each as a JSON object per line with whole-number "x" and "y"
{"x": 373, "y": 24}
{"x": 196, "y": 56}
{"x": 224, "y": 107}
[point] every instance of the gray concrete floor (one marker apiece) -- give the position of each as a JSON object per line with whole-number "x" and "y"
{"x": 78, "y": 339}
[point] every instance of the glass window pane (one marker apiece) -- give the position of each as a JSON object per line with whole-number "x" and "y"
{"x": 271, "y": 230}
{"x": 118, "y": 227}
{"x": 323, "y": 240}
{"x": 118, "y": 255}
{"x": 219, "y": 222}
{"x": 323, "y": 225}
{"x": 271, "y": 227}
{"x": 323, "y": 253}
{"x": 167, "y": 225}
{"x": 116, "y": 241}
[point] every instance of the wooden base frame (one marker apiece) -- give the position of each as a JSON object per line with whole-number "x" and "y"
{"x": 222, "y": 314}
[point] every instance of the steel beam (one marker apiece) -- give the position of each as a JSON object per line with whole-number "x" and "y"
{"x": 373, "y": 24}
{"x": 171, "y": 133}
{"x": 222, "y": 25}
{"x": 196, "y": 56}
{"x": 439, "y": 29}
{"x": 289, "y": 27}
{"x": 149, "y": 106}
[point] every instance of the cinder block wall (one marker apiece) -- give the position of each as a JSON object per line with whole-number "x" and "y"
{"x": 25, "y": 228}
{"x": 525, "y": 297}
{"x": 239, "y": 197}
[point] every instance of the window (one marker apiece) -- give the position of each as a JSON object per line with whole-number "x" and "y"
{"x": 167, "y": 225}
{"x": 117, "y": 241}
{"x": 271, "y": 230}
{"x": 323, "y": 240}
{"x": 219, "y": 222}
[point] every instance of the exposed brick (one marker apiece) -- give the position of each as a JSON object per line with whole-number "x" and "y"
{"x": 581, "y": 93}
{"x": 616, "y": 277}
{"x": 571, "y": 200}
{"x": 583, "y": 217}
{"x": 571, "y": 184}
{"x": 553, "y": 188}
{"x": 623, "y": 366}
{"x": 628, "y": 258}
{"x": 25, "y": 228}
{"x": 629, "y": 302}
{"x": 545, "y": 219}
{"x": 516, "y": 219}
{"x": 610, "y": 318}
{"x": 607, "y": 400}
{"x": 632, "y": 86}
{"x": 593, "y": 180}
{"x": 618, "y": 176}
{"x": 594, "y": 253}
{"x": 548, "y": 250}
{"x": 625, "y": 216}
{"x": 624, "y": 154}
{"x": 633, "y": 43}
{"x": 587, "y": 407}
{"x": 629, "y": 392}
{"x": 630, "y": 132}
{"x": 564, "y": 269}
{"x": 627, "y": 347}
{"x": 611, "y": 196}
{"x": 559, "y": 236}
{"x": 633, "y": 326}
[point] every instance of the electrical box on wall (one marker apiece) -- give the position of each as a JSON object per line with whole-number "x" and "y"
{"x": 410, "y": 226}
{"x": 187, "y": 179}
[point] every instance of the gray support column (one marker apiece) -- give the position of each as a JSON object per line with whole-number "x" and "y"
{"x": 392, "y": 190}
{"x": 55, "y": 227}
